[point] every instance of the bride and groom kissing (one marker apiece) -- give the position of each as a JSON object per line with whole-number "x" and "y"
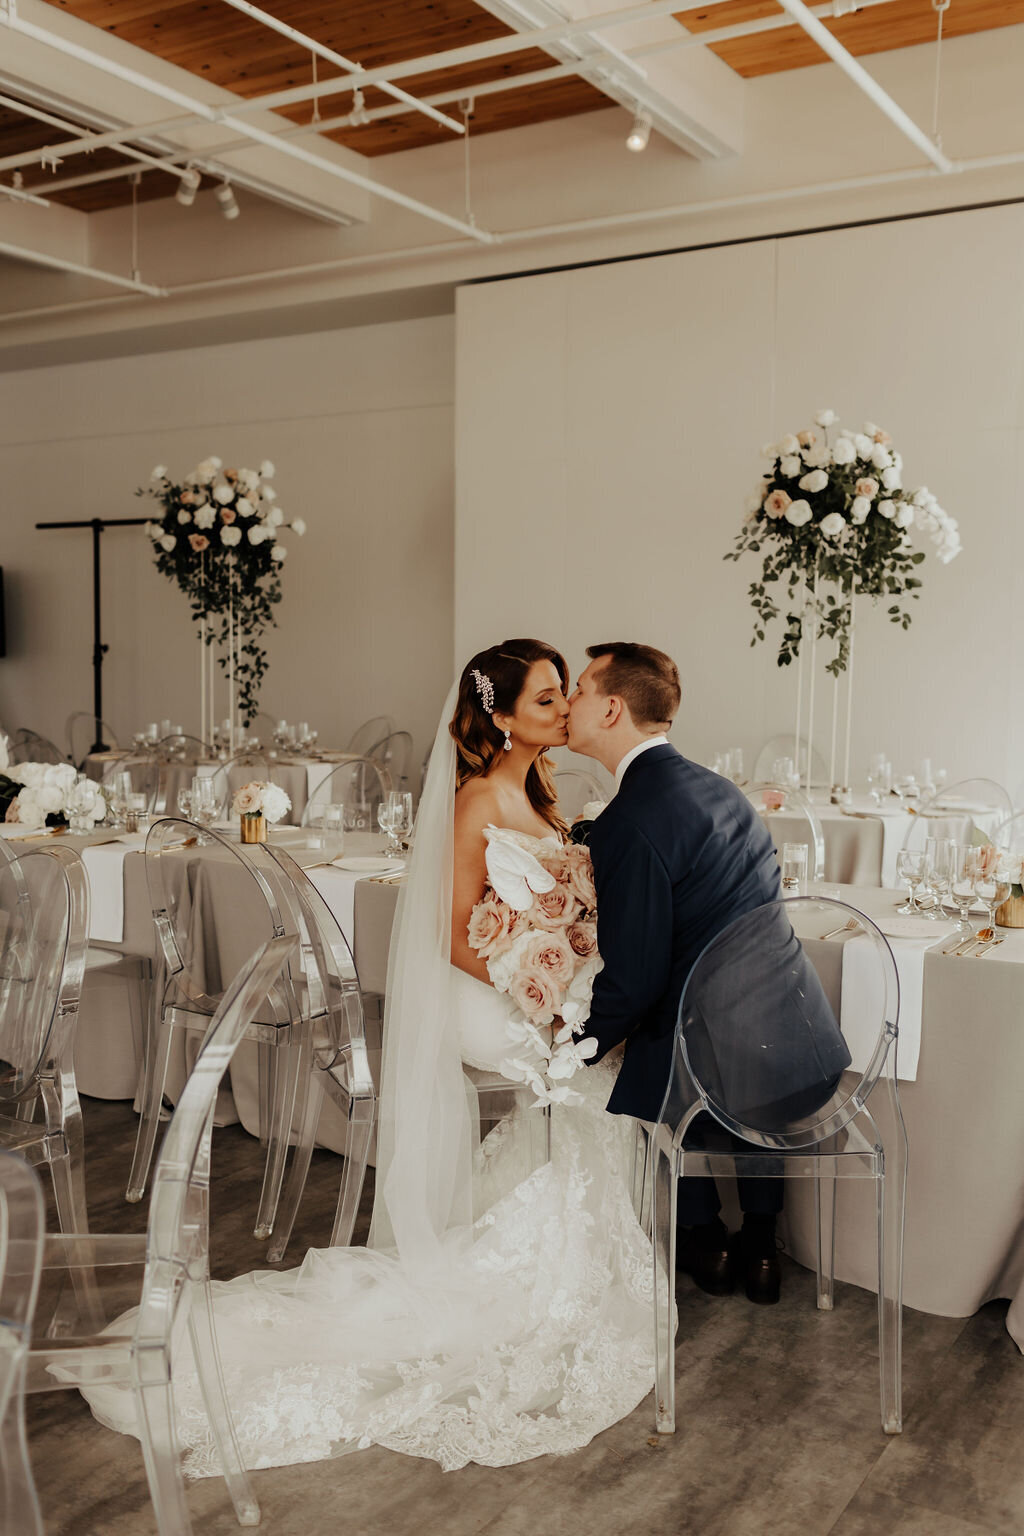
{"x": 502, "y": 1306}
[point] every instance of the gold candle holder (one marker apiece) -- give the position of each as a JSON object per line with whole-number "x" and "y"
{"x": 254, "y": 828}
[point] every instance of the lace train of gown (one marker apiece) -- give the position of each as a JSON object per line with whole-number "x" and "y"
{"x": 533, "y": 1335}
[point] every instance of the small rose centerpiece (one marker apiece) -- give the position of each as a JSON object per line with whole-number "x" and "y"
{"x": 259, "y": 805}
{"x": 37, "y": 795}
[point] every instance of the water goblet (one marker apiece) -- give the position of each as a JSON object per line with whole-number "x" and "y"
{"x": 963, "y": 871}
{"x": 185, "y": 803}
{"x": 991, "y": 883}
{"x": 940, "y": 857}
{"x": 910, "y": 866}
{"x": 402, "y": 801}
{"x": 119, "y": 791}
{"x": 794, "y": 868}
{"x": 204, "y": 801}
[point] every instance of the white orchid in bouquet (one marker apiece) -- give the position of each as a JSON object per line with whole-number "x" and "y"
{"x": 261, "y": 799}
{"x": 49, "y": 794}
{"x": 832, "y": 509}
{"x": 219, "y": 538}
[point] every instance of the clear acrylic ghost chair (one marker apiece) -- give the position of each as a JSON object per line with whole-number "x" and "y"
{"x": 212, "y": 900}
{"x": 393, "y": 755}
{"x": 22, "y": 1222}
{"x": 758, "y": 1047}
{"x": 44, "y": 902}
{"x": 777, "y": 802}
{"x": 359, "y": 785}
{"x": 786, "y": 746}
{"x": 144, "y": 773}
{"x": 576, "y": 788}
{"x": 1008, "y": 836}
{"x": 29, "y": 747}
{"x": 966, "y": 812}
{"x": 368, "y": 733}
{"x": 82, "y": 731}
{"x": 337, "y": 1060}
{"x": 243, "y": 768}
{"x": 182, "y": 748}
{"x": 174, "y": 1255}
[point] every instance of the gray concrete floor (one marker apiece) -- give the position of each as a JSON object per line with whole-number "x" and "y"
{"x": 778, "y": 1419}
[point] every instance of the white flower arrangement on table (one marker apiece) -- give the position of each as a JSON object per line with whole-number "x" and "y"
{"x": 835, "y": 508}
{"x": 536, "y": 928}
{"x": 219, "y": 538}
{"x": 260, "y": 799}
{"x": 49, "y": 794}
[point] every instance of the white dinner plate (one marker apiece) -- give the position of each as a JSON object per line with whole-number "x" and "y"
{"x": 366, "y": 864}
{"x": 912, "y": 928}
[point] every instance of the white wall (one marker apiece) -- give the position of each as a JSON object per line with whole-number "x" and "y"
{"x": 359, "y": 424}
{"x": 608, "y": 427}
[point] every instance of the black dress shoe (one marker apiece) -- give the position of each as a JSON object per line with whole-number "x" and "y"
{"x": 704, "y": 1254}
{"x": 757, "y": 1267}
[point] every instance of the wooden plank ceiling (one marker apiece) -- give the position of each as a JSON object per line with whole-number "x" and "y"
{"x": 898, "y": 24}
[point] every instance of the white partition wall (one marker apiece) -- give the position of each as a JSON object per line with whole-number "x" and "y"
{"x": 608, "y": 427}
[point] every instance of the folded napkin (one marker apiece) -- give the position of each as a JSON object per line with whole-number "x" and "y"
{"x": 862, "y": 999}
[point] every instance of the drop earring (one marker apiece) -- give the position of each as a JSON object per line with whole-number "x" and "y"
{"x": 508, "y": 741}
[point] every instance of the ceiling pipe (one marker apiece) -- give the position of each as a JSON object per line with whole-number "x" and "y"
{"x": 543, "y": 231}
{"x": 21, "y": 195}
{"x": 214, "y": 114}
{"x": 323, "y": 52}
{"x": 867, "y": 83}
{"x": 38, "y": 259}
{"x": 137, "y": 155}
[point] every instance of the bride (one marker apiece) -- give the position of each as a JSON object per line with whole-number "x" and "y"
{"x": 501, "y": 1310}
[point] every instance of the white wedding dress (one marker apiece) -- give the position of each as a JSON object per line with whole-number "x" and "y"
{"x": 523, "y": 1330}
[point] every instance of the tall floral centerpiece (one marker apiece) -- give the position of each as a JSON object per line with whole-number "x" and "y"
{"x": 219, "y": 538}
{"x": 831, "y": 521}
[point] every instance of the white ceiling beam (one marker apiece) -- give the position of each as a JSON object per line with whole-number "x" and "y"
{"x": 59, "y": 264}
{"x": 867, "y": 83}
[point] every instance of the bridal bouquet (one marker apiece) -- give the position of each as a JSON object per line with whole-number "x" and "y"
{"x": 536, "y": 928}
{"x": 833, "y": 509}
{"x": 49, "y": 795}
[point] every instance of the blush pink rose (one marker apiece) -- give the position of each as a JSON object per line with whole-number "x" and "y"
{"x": 227, "y": 514}
{"x": 551, "y": 953}
{"x": 806, "y": 439}
{"x": 882, "y": 437}
{"x": 583, "y": 939}
{"x": 248, "y": 801}
{"x": 868, "y": 487}
{"x": 12, "y": 811}
{"x": 556, "y": 908}
{"x": 581, "y": 877}
{"x": 776, "y": 504}
{"x": 555, "y": 861}
{"x": 534, "y": 992}
{"x": 489, "y": 925}
{"x": 199, "y": 542}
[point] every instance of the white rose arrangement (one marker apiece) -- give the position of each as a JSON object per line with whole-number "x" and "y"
{"x": 833, "y": 507}
{"x": 218, "y": 537}
{"x": 49, "y": 794}
{"x": 260, "y": 799}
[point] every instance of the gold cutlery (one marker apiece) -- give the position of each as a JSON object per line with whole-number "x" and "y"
{"x": 846, "y": 927}
{"x": 963, "y": 945}
{"x": 983, "y": 936}
{"x": 992, "y": 943}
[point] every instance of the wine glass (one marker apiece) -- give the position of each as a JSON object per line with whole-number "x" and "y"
{"x": 185, "y": 802}
{"x": 940, "y": 857}
{"x": 387, "y": 817}
{"x": 204, "y": 801}
{"x": 991, "y": 883}
{"x": 910, "y": 866}
{"x": 120, "y": 792}
{"x": 961, "y": 886}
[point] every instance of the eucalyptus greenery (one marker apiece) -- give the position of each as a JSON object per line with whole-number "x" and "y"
{"x": 831, "y": 520}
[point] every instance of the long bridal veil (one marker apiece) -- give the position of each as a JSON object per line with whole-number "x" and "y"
{"x": 424, "y": 1139}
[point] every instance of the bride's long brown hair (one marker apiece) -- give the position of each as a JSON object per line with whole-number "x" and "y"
{"x": 478, "y": 742}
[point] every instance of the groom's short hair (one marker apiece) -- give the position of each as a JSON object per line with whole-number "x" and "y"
{"x": 646, "y": 680}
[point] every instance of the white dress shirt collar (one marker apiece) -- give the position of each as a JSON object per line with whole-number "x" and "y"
{"x": 634, "y": 753}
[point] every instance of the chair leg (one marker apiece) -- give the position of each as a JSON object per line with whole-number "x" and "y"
{"x": 298, "y": 1172}
{"x": 892, "y": 1189}
{"x": 360, "y": 1132}
{"x": 663, "y": 1223}
{"x": 825, "y": 1222}
{"x": 162, "y": 1456}
{"x": 215, "y": 1397}
{"x": 293, "y": 1066}
{"x": 19, "y": 1505}
{"x": 154, "y": 1075}
{"x": 68, "y": 1172}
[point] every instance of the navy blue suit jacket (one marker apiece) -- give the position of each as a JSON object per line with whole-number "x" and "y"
{"x": 679, "y": 853}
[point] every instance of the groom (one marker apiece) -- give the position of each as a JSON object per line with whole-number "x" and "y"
{"x": 679, "y": 854}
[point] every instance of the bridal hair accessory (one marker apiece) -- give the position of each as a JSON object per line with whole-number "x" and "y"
{"x": 485, "y": 688}
{"x": 508, "y": 741}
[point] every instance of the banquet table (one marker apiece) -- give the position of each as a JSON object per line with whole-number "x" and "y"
{"x": 965, "y": 1187}
{"x": 298, "y": 777}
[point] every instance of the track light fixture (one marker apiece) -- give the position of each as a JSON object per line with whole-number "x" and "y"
{"x": 188, "y": 186}
{"x": 359, "y": 115}
{"x": 226, "y": 197}
{"x": 640, "y": 133}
